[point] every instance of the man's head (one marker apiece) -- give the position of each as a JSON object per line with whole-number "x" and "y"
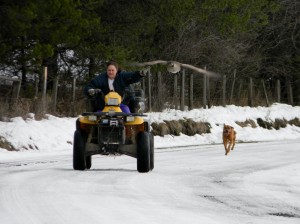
{"x": 112, "y": 69}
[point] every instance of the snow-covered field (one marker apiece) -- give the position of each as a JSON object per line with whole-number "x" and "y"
{"x": 258, "y": 182}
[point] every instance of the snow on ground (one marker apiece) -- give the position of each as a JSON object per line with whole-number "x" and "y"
{"x": 256, "y": 183}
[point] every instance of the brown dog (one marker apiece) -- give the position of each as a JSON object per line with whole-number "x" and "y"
{"x": 229, "y": 136}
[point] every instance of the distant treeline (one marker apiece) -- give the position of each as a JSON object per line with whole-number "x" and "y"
{"x": 259, "y": 39}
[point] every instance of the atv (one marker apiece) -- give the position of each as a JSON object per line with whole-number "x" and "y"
{"x": 113, "y": 132}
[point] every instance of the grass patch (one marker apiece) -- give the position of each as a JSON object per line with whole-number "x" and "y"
{"x": 264, "y": 124}
{"x": 184, "y": 126}
{"x": 247, "y": 123}
{"x": 295, "y": 122}
{"x": 280, "y": 123}
{"x": 160, "y": 129}
{"x": 6, "y": 145}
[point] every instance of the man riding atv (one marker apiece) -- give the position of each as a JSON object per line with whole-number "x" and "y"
{"x": 113, "y": 80}
{"x": 111, "y": 128}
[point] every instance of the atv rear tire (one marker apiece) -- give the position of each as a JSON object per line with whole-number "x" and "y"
{"x": 78, "y": 151}
{"x": 143, "y": 152}
{"x": 88, "y": 162}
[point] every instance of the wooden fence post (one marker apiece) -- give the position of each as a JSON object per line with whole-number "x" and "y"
{"x": 44, "y": 96}
{"x": 16, "y": 87}
{"x": 36, "y": 93}
{"x": 232, "y": 87}
{"x": 250, "y": 92}
{"x": 73, "y": 95}
{"x": 224, "y": 91}
{"x": 182, "y": 90}
{"x": 208, "y": 92}
{"x": 289, "y": 92}
{"x": 204, "y": 91}
{"x": 175, "y": 94}
{"x": 191, "y": 92}
{"x": 55, "y": 88}
{"x": 159, "y": 102}
{"x": 149, "y": 91}
{"x": 278, "y": 90}
{"x": 240, "y": 90}
{"x": 36, "y": 86}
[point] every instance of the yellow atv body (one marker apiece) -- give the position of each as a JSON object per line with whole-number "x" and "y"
{"x": 112, "y": 131}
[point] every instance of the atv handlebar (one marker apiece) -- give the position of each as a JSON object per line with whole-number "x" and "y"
{"x": 113, "y": 114}
{"x": 92, "y": 92}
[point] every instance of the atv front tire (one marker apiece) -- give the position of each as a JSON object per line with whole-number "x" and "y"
{"x": 143, "y": 152}
{"x": 78, "y": 151}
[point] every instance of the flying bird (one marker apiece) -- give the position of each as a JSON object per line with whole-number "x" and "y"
{"x": 174, "y": 67}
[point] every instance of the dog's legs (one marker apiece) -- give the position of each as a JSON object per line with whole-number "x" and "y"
{"x": 233, "y": 141}
{"x": 227, "y": 147}
{"x": 233, "y": 145}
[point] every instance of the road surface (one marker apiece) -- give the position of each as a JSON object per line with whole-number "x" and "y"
{"x": 255, "y": 183}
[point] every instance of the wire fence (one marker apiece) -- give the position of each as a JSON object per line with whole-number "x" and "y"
{"x": 187, "y": 91}
{"x": 183, "y": 91}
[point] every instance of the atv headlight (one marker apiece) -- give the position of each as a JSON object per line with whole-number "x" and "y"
{"x": 113, "y": 102}
{"x": 92, "y": 118}
{"x": 129, "y": 119}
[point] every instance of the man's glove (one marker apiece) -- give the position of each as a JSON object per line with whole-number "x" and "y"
{"x": 92, "y": 92}
{"x": 143, "y": 71}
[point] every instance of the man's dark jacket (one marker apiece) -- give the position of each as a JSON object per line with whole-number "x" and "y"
{"x": 121, "y": 85}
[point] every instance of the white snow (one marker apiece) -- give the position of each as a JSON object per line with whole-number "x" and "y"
{"x": 257, "y": 183}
